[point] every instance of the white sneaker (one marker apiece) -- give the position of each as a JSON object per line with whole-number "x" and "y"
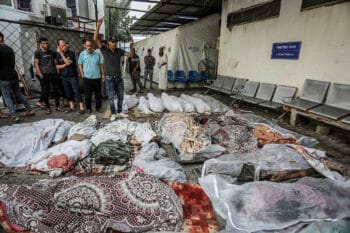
{"x": 122, "y": 115}
{"x": 113, "y": 117}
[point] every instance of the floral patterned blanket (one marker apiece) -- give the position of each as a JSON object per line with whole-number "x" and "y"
{"x": 130, "y": 202}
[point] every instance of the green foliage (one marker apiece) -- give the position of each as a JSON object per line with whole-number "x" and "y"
{"x": 118, "y": 22}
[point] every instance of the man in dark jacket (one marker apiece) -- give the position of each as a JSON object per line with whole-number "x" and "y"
{"x": 9, "y": 82}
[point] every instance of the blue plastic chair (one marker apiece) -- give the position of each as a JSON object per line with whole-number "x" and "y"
{"x": 170, "y": 76}
{"x": 204, "y": 76}
{"x": 180, "y": 76}
{"x": 193, "y": 76}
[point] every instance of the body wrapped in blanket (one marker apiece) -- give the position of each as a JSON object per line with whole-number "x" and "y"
{"x": 130, "y": 202}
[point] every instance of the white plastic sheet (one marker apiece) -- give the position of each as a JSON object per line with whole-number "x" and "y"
{"x": 155, "y": 103}
{"x": 215, "y": 105}
{"x": 171, "y": 103}
{"x": 312, "y": 156}
{"x": 341, "y": 226}
{"x": 229, "y": 164}
{"x": 151, "y": 152}
{"x": 266, "y": 205}
{"x": 62, "y": 157}
{"x": 174, "y": 133}
{"x": 21, "y": 143}
{"x": 187, "y": 106}
{"x": 121, "y": 130}
{"x": 129, "y": 102}
{"x": 152, "y": 161}
{"x": 208, "y": 152}
{"x": 62, "y": 131}
{"x": 200, "y": 105}
{"x": 117, "y": 131}
{"x": 273, "y": 158}
{"x": 144, "y": 106}
{"x": 144, "y": 133}
{"x": 258, "y": 120}
{"x": 87, "y": 128}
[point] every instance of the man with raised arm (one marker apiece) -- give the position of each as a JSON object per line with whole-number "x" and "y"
{"x": 112, "y": 57}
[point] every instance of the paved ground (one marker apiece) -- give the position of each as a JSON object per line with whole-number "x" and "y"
{"x": 337, "y": 144}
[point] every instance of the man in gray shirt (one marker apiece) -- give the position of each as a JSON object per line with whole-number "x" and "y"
{"x": 114, "y": 82}
{"x": 150, "y": 61}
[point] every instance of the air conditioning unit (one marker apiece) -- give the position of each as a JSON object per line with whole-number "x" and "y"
{"x": 60, "y": 14}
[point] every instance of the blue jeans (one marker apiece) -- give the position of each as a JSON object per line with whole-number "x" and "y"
{"x": 71, "y": 88}
{"x": 12, "y": 87}
{"x": 115, "y": 84}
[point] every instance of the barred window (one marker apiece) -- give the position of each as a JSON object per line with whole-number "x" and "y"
{"x": 310, "y": 4}
{"x": 254, "y": 13}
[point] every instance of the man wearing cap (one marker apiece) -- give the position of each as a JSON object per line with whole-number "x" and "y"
{"x": 114, "y": 82}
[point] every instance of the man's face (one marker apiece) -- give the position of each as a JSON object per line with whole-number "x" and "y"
{"x": 149, "y": 53}
{"x": 112, "y": 44}
{"x": 44, "y": 45}
{"x": 88, "y": 46}
{"x": 161, "y": 52}
{"x": 63, "y": 46}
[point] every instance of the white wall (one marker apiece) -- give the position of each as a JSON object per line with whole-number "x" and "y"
{"x": 167, "y": 40}
{"x": 245, "y": 52}
{"x": 184, "y": 45}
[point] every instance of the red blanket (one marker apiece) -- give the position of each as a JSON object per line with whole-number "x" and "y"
{"x": 199, "y": 216}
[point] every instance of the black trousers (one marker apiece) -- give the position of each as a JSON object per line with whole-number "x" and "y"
{"x": 41, "y": 99}
{"x": 92, "y": 85}
{"x": 50, "y": 79}
{"x": 136, "y": 81}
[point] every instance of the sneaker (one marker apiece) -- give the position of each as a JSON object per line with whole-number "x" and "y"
{"x": 113, "y": 117}
{"x": 122, "y": 115}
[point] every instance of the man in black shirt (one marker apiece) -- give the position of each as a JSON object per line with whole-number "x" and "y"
{"x": 45, "y": 65}
{"x": 134, "y": 70}
{"x": 114, "y": 81}
{"x": 67, "y": 67}
{"x": 9, "y": 80}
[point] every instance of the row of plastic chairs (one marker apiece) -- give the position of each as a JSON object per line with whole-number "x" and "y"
{"x": 314, "y": 99}
{"x": 180, "y": 76}
{"x": 265, "y": 94}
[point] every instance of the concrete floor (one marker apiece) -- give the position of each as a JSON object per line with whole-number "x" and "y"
{"x": 337, "y": 144}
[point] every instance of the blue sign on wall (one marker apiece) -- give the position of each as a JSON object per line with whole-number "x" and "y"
{"x": 286, "y": 50}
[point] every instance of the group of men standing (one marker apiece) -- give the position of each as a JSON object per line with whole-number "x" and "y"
{"x": 95, "y": 67}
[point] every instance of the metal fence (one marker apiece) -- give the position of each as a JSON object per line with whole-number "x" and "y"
{"x": 22, "y": 37}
